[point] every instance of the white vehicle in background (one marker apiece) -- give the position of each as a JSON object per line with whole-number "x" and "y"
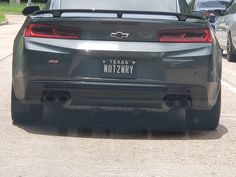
{"x": 226, "y": 31}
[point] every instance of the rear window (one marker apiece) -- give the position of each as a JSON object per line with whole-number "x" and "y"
{"x": 134, "y": 5}
{"x": 201, "y": 4}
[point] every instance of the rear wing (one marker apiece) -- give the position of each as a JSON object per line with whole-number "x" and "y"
{"x": 59, "y": 12}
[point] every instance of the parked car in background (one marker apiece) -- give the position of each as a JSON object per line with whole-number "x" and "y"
{"x": 112, "y": 55}
{"x": 226, "y": 31}
{"x": 212, "y": 8}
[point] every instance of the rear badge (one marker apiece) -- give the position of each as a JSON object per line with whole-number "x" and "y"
{"x": 119, "y": 35}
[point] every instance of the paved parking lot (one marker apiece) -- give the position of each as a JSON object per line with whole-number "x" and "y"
{"x": 59, "y": 147}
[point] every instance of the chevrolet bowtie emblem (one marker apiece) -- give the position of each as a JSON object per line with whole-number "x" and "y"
{"x": 119, "y": 35}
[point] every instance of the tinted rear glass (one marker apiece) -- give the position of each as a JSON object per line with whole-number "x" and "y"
{"x": 212, "y": 4}
{"x": 136, "y": 5}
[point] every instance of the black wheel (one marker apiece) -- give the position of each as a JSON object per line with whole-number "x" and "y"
{"x": 231, "y": 56}
{"x": 25, "y": 113}
{"x": 205, "y": 120}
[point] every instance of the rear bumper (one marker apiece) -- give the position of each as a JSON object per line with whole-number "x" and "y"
{"x": 163, "y": 69}
{"x": 90, "y": 94}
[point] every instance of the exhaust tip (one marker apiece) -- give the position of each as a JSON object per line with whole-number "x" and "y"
{"x": 184, "y": 102}
{"x": 51, "y": 97}
{"x": 170, "y": 102}
{"x": 181, "y": 101}
{"x": 48, "y": 97}
{"x": 63, "y": 97}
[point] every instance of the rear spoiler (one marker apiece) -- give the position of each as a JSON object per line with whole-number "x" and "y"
{"x": 59, "y": 12}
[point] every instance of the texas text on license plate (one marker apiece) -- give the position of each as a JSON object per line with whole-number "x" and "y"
{"x": 119, "y": 68}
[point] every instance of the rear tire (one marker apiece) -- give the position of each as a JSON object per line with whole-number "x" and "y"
{"x": 231, "y": 56}
{"x": 206, "y": 120}
{"x": 25, "y": 113}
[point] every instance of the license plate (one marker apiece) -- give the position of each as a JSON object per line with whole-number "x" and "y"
{"x": 118, "y": 68}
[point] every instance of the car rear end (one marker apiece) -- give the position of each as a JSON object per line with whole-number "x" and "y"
{"x": 121, "y": 58}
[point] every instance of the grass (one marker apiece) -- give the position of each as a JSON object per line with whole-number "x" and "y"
{"x": 15, "y": 9}
{"x": 2, "y": 18}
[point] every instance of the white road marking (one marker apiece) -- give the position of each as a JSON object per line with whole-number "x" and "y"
{"x": 7, "y": 36}
{"x": 3, "y": 59}
{"x": 229, "y": 85}
{"x": 228, "y": 117}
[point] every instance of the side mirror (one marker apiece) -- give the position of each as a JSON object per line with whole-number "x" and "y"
{"x": 200, "y": 14}
{"x": 30, "y": 10}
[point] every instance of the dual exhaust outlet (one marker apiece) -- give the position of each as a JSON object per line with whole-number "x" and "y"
{"x": 170, "y": 101}
{"x": 56, "y": 96}
{"x": 174, "y": 101}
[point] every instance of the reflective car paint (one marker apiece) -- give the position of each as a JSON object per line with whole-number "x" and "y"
{"x": 192, "y": 69}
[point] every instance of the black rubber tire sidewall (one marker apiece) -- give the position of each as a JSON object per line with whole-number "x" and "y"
{"x": 34, "y": 113}
{"x": 205, "y": 120}
{"x": 231, "y": 56}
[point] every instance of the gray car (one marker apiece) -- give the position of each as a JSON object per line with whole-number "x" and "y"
{"x": 225, "y": 31}
{"x": 114, "y": 55}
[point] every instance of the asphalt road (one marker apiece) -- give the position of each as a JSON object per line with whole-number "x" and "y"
{"x": 60, "y": 147}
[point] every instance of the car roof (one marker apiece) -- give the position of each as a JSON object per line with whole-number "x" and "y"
{"x": 177, "y": 5}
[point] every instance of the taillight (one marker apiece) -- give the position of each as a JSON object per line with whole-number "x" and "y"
{"x": 185, "y": 36}
{"x": 51, "y": 31}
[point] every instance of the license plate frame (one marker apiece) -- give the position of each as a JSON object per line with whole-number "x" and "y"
{"x": 118, "y": 68}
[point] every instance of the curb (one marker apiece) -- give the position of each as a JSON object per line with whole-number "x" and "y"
{"x": 5, "y": 22}
{"x": 11, "y": 13}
